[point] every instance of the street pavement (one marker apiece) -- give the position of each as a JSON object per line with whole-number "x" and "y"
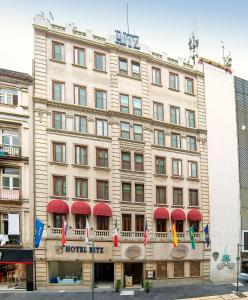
{"x": 197, "y": 291}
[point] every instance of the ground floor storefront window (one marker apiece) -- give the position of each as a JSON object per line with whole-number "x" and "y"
{"x": 65, "y": 272}
{"x": 12, "y": 276}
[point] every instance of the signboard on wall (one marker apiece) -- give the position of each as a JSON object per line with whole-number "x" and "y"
{"x": 179, "y": 251}
{"x": 127, "y": 39}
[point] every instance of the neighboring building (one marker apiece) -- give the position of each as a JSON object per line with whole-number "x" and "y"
{"x": 224, "y": 199}
{"x": 16, "y": 188}
{"x": 120, "y": 136}
{"x": 241, "y": 97}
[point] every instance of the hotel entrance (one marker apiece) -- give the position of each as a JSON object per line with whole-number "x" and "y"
{"x": 133, "y": 274}
{"x": 104, "y": 275}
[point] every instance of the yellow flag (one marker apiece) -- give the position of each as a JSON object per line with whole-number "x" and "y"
{"x": 175, "y": 241}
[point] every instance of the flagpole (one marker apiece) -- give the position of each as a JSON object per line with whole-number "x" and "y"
{"x": 93, "y": 270}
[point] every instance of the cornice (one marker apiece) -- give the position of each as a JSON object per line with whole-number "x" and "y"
{"x": 175, "y": 150}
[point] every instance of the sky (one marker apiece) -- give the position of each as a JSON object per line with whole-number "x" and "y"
{"x": 163, "y": 25}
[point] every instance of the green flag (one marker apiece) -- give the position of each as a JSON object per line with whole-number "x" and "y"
{"x": 192, "y": 236}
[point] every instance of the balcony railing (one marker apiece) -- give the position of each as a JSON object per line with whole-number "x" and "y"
{"x": 8, "y": 150}
{"x": 13, "y": 240}
{"x": 98, "y": 235}
{"x": 9, "y": 194}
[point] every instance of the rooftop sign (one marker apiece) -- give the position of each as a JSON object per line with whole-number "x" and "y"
{"x": 127, "y": 39}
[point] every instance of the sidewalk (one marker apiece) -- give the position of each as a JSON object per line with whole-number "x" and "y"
{"x": 244, "y": 295}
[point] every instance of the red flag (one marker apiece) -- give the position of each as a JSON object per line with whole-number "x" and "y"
{"x": 63, "y": 239}
{"x": 146, "y": 235}
{"x": 116, "y": 235}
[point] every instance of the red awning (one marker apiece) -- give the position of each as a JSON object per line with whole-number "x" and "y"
{"x": 178, "y": 215}
{"x": 58, "y": 206}
{"x": 80, "y": 208}
{"x": 102, "y": 209}
{"x": 194, "y": 215}
{"x": 161, "y": 213}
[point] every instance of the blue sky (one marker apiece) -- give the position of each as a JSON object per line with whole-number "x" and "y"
{"x": 161, "y": 24}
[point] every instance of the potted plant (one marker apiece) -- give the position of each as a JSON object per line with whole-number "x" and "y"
{"x": 118, "y": 285}
{"x": 147, "y": 286}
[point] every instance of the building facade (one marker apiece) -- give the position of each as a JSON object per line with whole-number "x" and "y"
{"x": 120, "y": 138}
{"x": 224, "y": 198}
{"x": 16, "y": 188}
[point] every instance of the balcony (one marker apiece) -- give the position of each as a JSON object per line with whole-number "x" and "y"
{"x": 8, "y": 151}
{"x": 131, "y": 236}
{"x": 9, "y": 195}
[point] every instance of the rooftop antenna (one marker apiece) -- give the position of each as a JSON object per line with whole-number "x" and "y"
{"x": 127, "y": 20}
{"x": 51, "y": 16}
{"x": 227, "y": 59}
{"x": 193, "y": 47}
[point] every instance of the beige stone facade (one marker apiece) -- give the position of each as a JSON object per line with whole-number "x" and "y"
{"x": 156, "y": 256}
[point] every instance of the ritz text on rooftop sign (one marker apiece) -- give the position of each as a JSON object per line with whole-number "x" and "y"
{"x": 127, "y": 39}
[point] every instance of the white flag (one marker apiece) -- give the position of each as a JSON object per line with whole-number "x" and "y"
{"x": 87, "y": 231}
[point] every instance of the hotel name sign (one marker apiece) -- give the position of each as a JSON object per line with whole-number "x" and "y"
{"x": 127, "y": 39}
{"x": 78, "y": 249}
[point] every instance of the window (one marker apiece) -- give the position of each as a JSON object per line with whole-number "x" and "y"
{"x": 101, "y": 99}
{"x": 189, "y": 86}
{"x": 59, "y": 185}
{"x": 175, "y": 115}
{"x": 195, "y": 268}
{"x": 58, "y": 91}
{"x": 80, "y": 221}
{"x": 80, "y": 95}
{"x": 10, "y": 220}
{"x": 160, "y": 225}
{"x": 125, "y": 130}
{"x": 176, "y": 167}
{"x": 81, "y": 187}
{"x": 123, "y": 66}
{"x": 135, "y": 69}
{"x": 101, "y": 157}
{"x": 124, "y": 104}
{"x": 8, "y": 96}
{"x": 58, "y": 51}
{"x": 10, "y": 179}
{"x": 59, "y": 152}
{"x": 102, "y": 223}
{"x": 139, "y": 192}
{"x": 126, "y": 160}
{"x": 179, "y": 269}
{"x": 126, "y": 192}
{"x": 156, "y": 76}
{"x": 59, "y": 120}
{"x": 191, "y": 141}
{"x": 139, "y": 223}
{"x": 102, "y": 188}
{"x": 79, "y": 56}
{"x": 160, "y": 194}
{"x": 161, "y": 270}
{"x": 179, "y": 226}
{"x": 176, "y": 140}
{"x": 158, "y": 111}
{"x": 81, "y": 155}
{"x": 193, "y": 197}
{"x": 10, "y": 137}
{"x": 160, "y": 165}
{"x": 137, "y": 132}
{"x": 192, "y": 169}
{"x": 57, "y": 220}
{"x": 100, "y": 61}
{"x": 177, "y": 196}
{"x": 101, "y": 127}
{"x": 190, "y": 118}
{"x": 80, "y": 124}
{"x": 195, "y": 224}
{"x": 173, "y": 81}
{"x": 126, "y": 222}
{"x": 137, "y": 106}
{"x": 138, "y": 162}
{"x": 159, "y": 137}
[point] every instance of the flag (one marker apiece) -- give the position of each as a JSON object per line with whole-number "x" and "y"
{"x": 116, "y": 235}
{"x": 192, "y": 236}
{"x": 39, "y": 226}
{"x": 206, "y": 235}
{"x": 146, "y": 234}
{"x": 87, "y": 232}
{"x": 174, "y": 230}
{"x": 64, "y": 226}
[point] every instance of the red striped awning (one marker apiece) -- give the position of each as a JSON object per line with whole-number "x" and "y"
{"x": 80, "y": 208}
{"x": 102, "y": 209}
{"x": 194, "y": 215}
{"x": 178, "y": 215}
{"x": 58, "y": 206}
{"x": 161, "y": 213}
